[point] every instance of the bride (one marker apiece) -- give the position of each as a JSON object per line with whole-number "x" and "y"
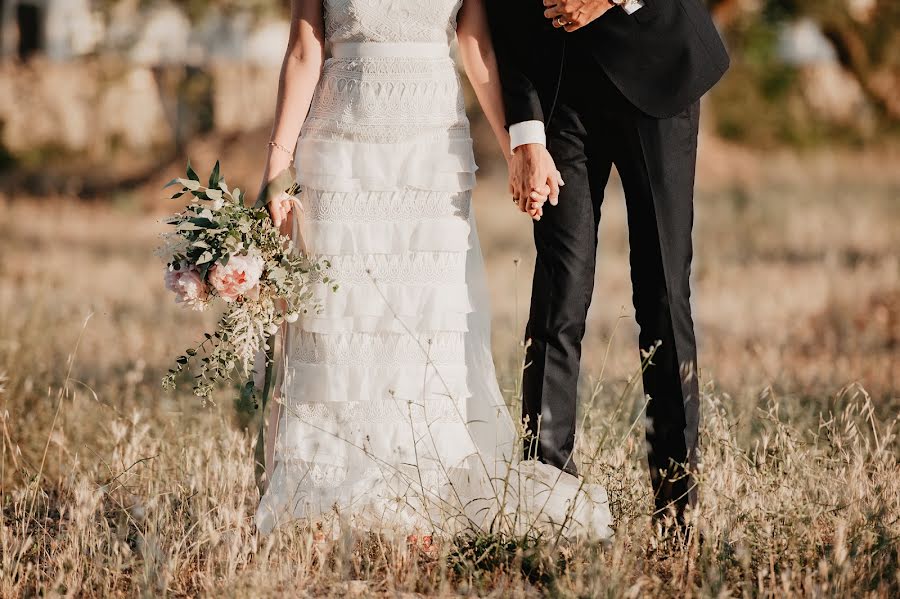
{"x": 389, "y": 416}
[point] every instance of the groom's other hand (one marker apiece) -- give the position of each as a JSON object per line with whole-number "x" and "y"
{"x": 533, "y": 178}
{"x": 572, "y": 15}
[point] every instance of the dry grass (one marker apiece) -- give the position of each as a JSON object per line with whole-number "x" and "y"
{"x": 110, "y": 487}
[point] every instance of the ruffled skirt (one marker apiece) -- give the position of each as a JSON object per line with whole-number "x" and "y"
{"x": 391, "y": 417}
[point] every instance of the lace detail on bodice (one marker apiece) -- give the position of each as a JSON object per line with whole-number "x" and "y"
{"x": 387, "y": 100}
{"x": 402, "y": 98}
{"x": 390, "y": 20}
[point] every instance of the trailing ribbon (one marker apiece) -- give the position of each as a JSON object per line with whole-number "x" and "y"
{"x": 283, "y": 182}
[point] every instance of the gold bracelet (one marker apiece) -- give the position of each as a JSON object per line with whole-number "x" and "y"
{"x": 275, "y": 144}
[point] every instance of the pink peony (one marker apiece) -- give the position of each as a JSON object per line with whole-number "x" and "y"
{"x": 189, "y": 288}
{"x": 239, "y": 277}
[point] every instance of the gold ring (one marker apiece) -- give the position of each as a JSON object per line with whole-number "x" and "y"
{"x": 561, "y": 22}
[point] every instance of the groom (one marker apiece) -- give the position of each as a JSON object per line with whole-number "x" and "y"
{"x": 589, "y": 84}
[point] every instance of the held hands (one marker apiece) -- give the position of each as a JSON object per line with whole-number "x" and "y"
{"x": 533, "y": 179}
{"x": 572, "y": 15}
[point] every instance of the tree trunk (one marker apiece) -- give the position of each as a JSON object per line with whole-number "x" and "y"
{"x": 879, "y": 85}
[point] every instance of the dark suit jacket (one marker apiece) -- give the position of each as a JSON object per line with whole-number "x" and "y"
{"x": 662, "y": 58}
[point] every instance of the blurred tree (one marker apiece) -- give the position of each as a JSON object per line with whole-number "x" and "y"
{"x": 197, "y": 9}
{"x": 864, "y": 36}
{"x": 765, "y": 98}
{"x": 726, "y": 11}
{"x": 862, "y": 32}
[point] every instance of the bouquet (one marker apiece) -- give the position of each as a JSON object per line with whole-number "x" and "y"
{"x": 223, "y": 252}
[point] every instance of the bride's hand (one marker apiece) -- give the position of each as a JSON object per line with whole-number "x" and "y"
{"x": 280, "y": 208}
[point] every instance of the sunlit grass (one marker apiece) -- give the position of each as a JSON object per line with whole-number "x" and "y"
{"x": 803, "y": 510}
{"x": 112, "y": 487}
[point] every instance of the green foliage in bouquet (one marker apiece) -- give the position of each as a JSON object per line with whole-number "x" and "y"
{"x": 223, "y": 249}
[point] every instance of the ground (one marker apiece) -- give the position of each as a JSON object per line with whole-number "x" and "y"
{"x": 111, "y": 486}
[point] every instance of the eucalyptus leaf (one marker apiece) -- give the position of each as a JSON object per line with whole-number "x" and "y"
{"x": 191, "y": 174}
{"x": 214, "y": 176}
{"x": 204, "y": 222}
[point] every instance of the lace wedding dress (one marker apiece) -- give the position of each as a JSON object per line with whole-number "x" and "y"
{"x": 391, "y": 416}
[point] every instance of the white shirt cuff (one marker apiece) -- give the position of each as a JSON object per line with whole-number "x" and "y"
{"x": 632, "y": 6}
{"x": 526, "y": 132}
{"x": 532, "y": 132}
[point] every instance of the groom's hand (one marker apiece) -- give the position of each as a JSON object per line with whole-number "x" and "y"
{"x": 572, "y": 15}
{"x": 533, "y": 179}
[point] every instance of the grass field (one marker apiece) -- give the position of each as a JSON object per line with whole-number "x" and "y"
{"x": 112, "y": 487}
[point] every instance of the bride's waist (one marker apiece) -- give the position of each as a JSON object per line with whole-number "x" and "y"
{"x": 384, "y": 65}
{"x": 395, "y": 91}
{"x": 407, "y": 50}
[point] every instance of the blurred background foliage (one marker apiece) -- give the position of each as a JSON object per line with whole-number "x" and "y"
{"x": 809, "y": 72}
{"x": 795, "y": 283}
{"x": 128, "y": 83}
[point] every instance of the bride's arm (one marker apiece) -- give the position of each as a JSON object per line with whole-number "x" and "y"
{"x": 477, "y": 53}
{"x": 300, "y": 73}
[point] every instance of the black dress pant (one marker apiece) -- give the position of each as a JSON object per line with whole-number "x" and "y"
{"x": 592, "y": 128}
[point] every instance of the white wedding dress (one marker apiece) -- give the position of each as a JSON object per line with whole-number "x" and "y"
{"x": 391, "y": 416}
